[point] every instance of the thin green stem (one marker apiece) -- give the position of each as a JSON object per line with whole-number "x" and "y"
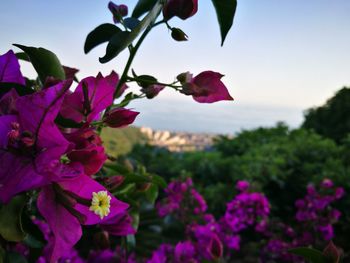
{"x": 150, "y": 82}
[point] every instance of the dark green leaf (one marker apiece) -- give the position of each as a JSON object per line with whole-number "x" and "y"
{"x": 102, "y": 33}
{"x": 135, "y": 178}
{"x": 146, "y": 80}
{"x": 10, "y": 219}
{"x": 67, "y": 123}
{"x": 2, "y": 255}
{"x": 22, "y": 56}
{"x": 225, "y": 12}
{"x": 313, "y": 255}
{"x": 32, "y": 242}
{"x": 45, "y": 62}
{"x": 123, "y": 39}
{"x": 142, "y": 7}
{"x": 21, "y": 90}
{"x": 13, "y": 257}
{"x": 131, "y": 22}
{"x": 116, "y": 45}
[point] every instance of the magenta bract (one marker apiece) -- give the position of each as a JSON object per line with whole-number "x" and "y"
{"x": 91, "y": 97}
{"x": 31, "y": 143}
{"x": 10, "y": 69}
{"x": 206, "y": 87}
{"x": 70, "y": 202}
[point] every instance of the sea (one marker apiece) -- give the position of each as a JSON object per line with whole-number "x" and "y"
{"x": 227, "y": 118}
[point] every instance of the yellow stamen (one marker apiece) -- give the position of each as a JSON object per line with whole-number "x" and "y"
{"x": 100, "y": 203}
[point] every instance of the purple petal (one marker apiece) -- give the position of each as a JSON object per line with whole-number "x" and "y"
{"x": 10, "y": 69}
{"x": 5, "y": 128}
{"x": 8, "y": 103}
{"x": 100, "y": 95}
{"x": 17, "y": 174}
{"x": 37, "y": 113}
{"x": 84, "y": 186}
{"x": 65, "y": 227}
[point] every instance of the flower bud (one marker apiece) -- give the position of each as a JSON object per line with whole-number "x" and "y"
{"x": 332, "y": 253}
{"x": 152, "y": 90}
{"x": 143, "y": 187}
{"x": 101, "y": 240}
{"x": 180, "y": 8}
{"x": 113, "y": 182}
{"x": 215, "y": 248}
{"x": 120, "y": 117}
{"x": 185, "y": 77}
{"x": 118, "y": 11}
{"x": 178, "y": 35}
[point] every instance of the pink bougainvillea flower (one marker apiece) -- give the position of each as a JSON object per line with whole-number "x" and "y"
{"x": 91, "y": 97}
{"x": 152, "y": 90}
{"x": 113, "y": 80}
{"x": 31, "y": 145}
{"x": 88, "y": 150}
{"x": 77, "y": 201}
{"x": 180, "y": 8}
{"x": 185, "y": 252}
{"x": 120, "y": 117}
{"x": 10, "y": 69}
{"x": 206, "y": 87}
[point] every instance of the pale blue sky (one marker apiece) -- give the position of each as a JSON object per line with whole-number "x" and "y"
{"x": 279, "y": 53}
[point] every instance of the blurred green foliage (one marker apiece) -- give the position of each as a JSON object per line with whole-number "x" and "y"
{"x": 332, "y": 119}
{"x": 278, "y": 161}
{"x": 121, "y": 141}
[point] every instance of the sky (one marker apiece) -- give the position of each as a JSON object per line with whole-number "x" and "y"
{"x": 279, "y": 54}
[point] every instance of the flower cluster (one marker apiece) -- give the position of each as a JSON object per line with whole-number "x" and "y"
{"x": 182, "y": 200}
{"x": 315, "y": 218}
{"x": 316, "y": 208}
{"x": 37, "y": 153}
{"x": 207, "y": 238}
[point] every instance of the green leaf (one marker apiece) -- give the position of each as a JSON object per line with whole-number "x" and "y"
{"x": 116, "y": 45}
{"x": 123, "y": 39}
{"x": 45, "y": 62}
{"x": 102, "y": 33}
{"x": 131, "y": 22}
{"x": 158, "y": 180}
{"x": 10, "y": 219}
{"x": 225, "y": 12}
{"x": 135, "y": 178}
{"x": 146, "y": 80}
{"x": 152, "y": 193}
{"x": 313, "y": 255}
{"x": 22, "y": 56}
{"x": 142, "y": 7}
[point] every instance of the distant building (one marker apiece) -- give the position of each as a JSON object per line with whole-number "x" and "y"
{"x": 179, "y": 141}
